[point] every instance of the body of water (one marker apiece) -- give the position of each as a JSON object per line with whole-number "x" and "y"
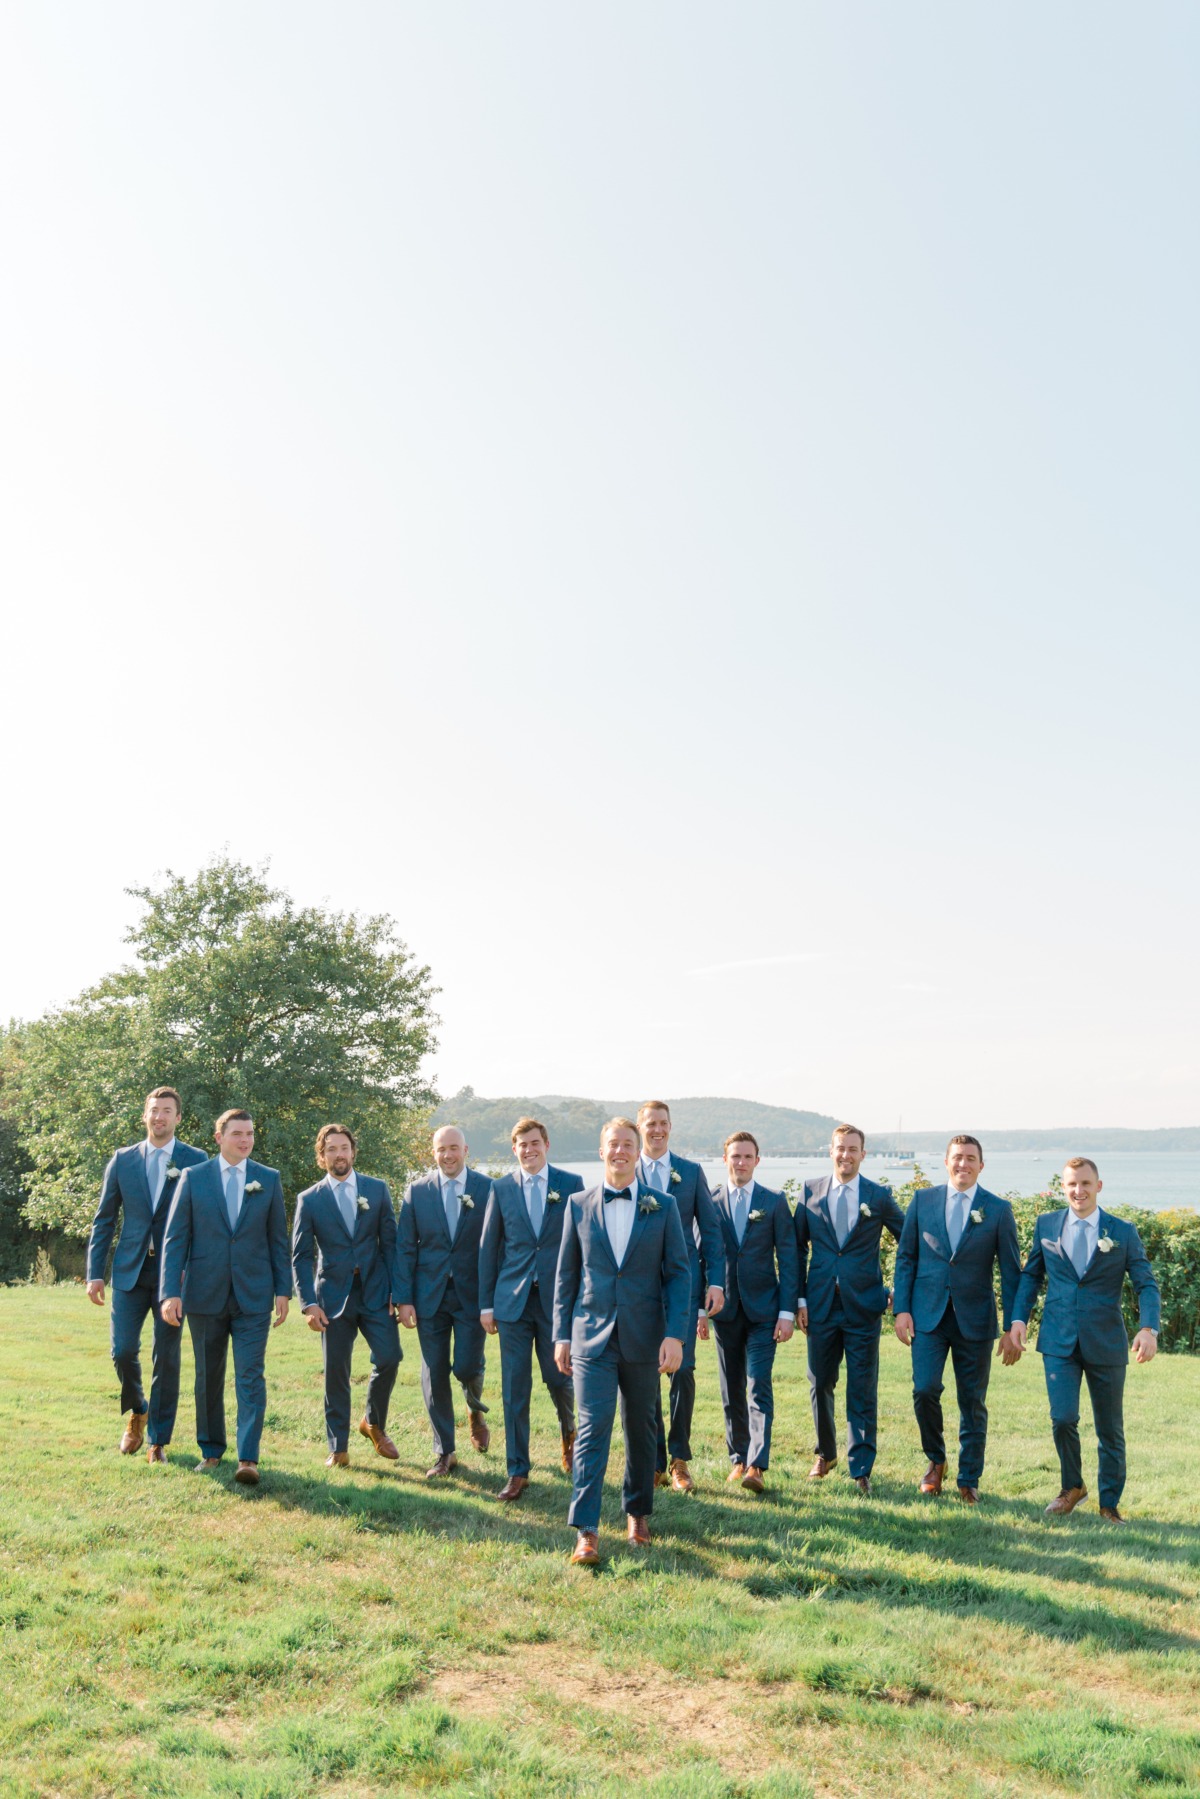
{"x": 1157, "y": 1179}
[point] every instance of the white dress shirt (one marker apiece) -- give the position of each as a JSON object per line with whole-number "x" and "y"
{"x": 619, "y": 1215}
{"x": 168, "y": 1156}
{"x": 350, "y": 1184}
{"x": 663, "y": 1164}
{"x": 225, "y": 1170}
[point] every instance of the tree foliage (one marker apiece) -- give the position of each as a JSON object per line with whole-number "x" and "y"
{"x": 237, "y": 997}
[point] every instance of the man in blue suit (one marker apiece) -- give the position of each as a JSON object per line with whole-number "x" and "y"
{"x": 346, "y": 1221}
{"x": 945, "y": 1305}
{"x": 762, "y": 1277}
{"x": 840, "y": 1220}
{"x": 518, "y": 1256}
{"x": 1084, "y": 1254}
{"x": 138, "y": 1184}
{"x": 622, "y": 1295}
{"x": 225, "y": 1259}
{"x": 437, "y": 1283}
{"x": 665, "y": 1172}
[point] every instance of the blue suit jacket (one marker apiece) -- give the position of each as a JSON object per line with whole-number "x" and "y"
{"x": 927, "y": 1275}
{"x": 204, "y": 1262}
{"x": 511, "y": 1258}
{"x": 644, "y": 1300}
{"x": 425, "y": 1257}
{"x": 370, "y": 1252}
{"x": 763, "y": 1271}
{"x": 1084, "y": 1311}
{"x": 701, "y": 1226}
{"x": 852, "y": 1272}
{"x": 125, "y": 1191}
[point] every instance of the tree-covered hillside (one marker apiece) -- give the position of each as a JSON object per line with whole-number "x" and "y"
{"x": 700, "y": 1125}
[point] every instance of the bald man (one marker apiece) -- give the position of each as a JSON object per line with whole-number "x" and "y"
{"x": 437, "y": 1287}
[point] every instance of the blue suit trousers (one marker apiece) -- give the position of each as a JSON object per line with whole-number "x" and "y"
{"x": 745, "y": 1360}
{"x": 212, "y": 1333}
{"x": 518, "y": 1341}
{"x": 337, "y": 1345}
{"x": 677, "y": 1441}
{"x": 598, "y": 1382}
{"x": 828, "y": 1343}
{"x": 1106, "y": 1385}
{"x": 129, "y": 1311}
{"x": 972, "y": 1359}
{"x": 451, "y": 1342}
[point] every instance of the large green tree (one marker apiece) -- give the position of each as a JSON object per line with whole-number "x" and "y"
{"x": 237, "y": 997}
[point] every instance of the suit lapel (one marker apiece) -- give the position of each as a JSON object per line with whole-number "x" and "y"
{"x": 825, "y": 1182}
{"x": 332, "y": 1200}
{"x": 598, "y": 1213}
{"x": 139, "y": 1158}
{"x": 939, "y": 1220}
{"x": 640, "y": 1218}
{"x": 721, "y": 1201}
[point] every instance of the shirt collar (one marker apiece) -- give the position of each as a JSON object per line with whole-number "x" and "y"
{"x": 459, "y": 1179}
{"x": 349, "y": 1182}
{"x": 541, "y": 1175}
{"x": 228, "y": 1168}
{"x": 1091, "y": 1222}
{"x": 968, "y": 1195}
{"x": 748, "y": 1189}
{"x": 149, "y": 1148}
{"x": 850, "y": 1186}
{"x": 663, "y": 1161}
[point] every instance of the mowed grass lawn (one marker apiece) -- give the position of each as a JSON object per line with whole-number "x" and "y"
{"x": 169, "y": 1633}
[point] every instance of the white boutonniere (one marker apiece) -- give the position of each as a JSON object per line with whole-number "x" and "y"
{"x": 1105, "y": 1244}
{"x": 647, "y": 1203}
{"x": 364, "y": 1205}
{"x": 554, "y": 1197}
{"x": 676, "y": 1178}
{"x": 753, "y": 1217}
{"x": 172, "y": 1172}
{"x": 254, "y": 1186}
{"x": 864, "y": 1211}
{"x": 976, "y": 1215}
{"x": 468, "y": 1202}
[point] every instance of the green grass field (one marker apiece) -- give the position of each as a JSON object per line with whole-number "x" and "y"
{"x": 167, "y": 1633}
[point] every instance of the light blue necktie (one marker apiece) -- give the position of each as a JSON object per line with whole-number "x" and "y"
{"x": 656, "y": 1179}
{"x": 231, "y": 1198}
{"x": 536, "y": 1211}
{"x": 1079, "y": 1254}
{"x": 450, "y": 1201}
{"x": 153, "y": 1164}
{"x": 958, "y": 1224}
{"x": 841, "y": 1216}
{"x": 740, "y": 1209}
{"x": 347, "y": 1204}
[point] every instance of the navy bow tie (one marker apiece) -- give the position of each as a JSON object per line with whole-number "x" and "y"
{"x": 612, "y": 1193}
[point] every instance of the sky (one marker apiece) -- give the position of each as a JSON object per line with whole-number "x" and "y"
{"x": 689, "y": 509}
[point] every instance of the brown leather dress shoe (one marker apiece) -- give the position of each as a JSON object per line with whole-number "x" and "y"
{"x": 481, "y": 1436}
{"x": 134, "y": 1434}
{"x": 442, "y": 1466}
{"x": 208, "y": 1464}
{"x": 681, "y": 1476}
{"x": 637, "y": 1530}
{"x": 375, "y": 1433}
{"x": 1066, "y": 1502}
{"x": 735, "y": 1473}
{"x": 247, "y": 1474}
{"x": 586, "y": 1552}
{"x": 513, "y": 1487}
{"x": 661, "y": 1478}
{"x": 338, "y": 1458}
{"x": 157, "y": 1453}
{"x": 934, "y": 1475}
{"x": 1112, "y": 1514}
{"x": 568, "y": 1452}
{"x": 821, "y": 1467}
{"x": 969, "y": 1495}
{"x": 752, "y": 1480}
{"x": 863, "y": 1483}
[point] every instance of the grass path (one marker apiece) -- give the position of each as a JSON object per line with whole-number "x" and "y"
{"x": 165, "y": 1633}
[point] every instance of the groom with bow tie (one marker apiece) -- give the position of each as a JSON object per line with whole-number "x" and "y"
{"x": 621, "y": 1299}
{"x": 1084, "y": 1254}
{"x": 139, "y": 1184}
{"x": 348, "y": 1222}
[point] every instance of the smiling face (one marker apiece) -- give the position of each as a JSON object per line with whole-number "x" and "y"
{"x": 1082, "y": 1189}
{"x": 656, "y": 1132}
{"x": 339, "y": 1155}
{"x": 450, "y": 1151}
{"x": 964, "y": 1165}
{"x": 530, "y": 1150}
{"x": 161, "y": 1118}
{"x": 741, "y": 1159}
{"x": 846, "y": 1151}
{"x": 619, "y": 1148}
{"x": 237, "y": 1140}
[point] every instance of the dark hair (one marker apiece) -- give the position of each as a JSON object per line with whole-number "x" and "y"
{"x": 963, "y": 1138}
{"x": 228, "y": 1118}
{"x": 165, "y": 1093}
{"x": 742, "y": 1137}
{"x": 524, "y": 1125}
{"x": 331, "y": 1130}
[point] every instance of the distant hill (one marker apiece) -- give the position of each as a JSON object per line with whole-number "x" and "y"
{"x": 1078, "y": 1137}
{"x": 699, "y": 1126}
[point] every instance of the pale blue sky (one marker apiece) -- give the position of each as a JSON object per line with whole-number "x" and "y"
{"x": 690, "y": 508}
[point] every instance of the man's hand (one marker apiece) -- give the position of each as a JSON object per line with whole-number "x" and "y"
{"x": 1018, "y": 1331}
{"x": 172, "y": 1311}
{"x": 802, "y": 1316}
{"x": 488, "y": 1321}
{"x": 784, "y": 1328}
{"x": 1010, "y": 1347}
{"x": 281, "y": 1308}
{"x": 1145, "y": 1346}
{"x": 562, "y": 1357}
{"x": 714, "y": 1299}
{"x": 903, "y": 1328}
{"x": 95, "y": 1292}
{"x": 670, "y": 1355}
{"x": 317, "y": 1320}
{"x": 407, "y": 1316}
{"x": 702, "y": 1328}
